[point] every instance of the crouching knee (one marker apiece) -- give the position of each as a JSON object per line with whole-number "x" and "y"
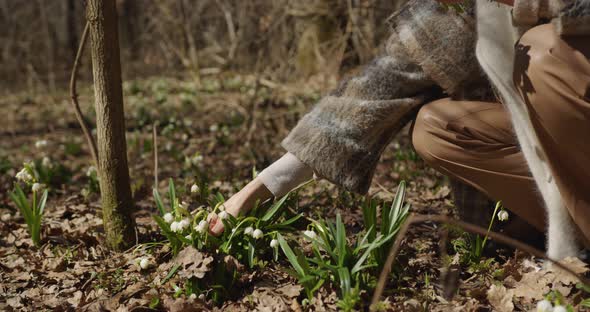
{"x": 425, "y": 132}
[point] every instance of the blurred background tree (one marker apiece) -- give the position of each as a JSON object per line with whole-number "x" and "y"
{"x": 284, "y": 39}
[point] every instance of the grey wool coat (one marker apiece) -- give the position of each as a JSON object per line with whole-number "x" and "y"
{"x": 431, "y": 51}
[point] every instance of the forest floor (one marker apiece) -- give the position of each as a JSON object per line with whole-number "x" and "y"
{"x": 225, "y": 129}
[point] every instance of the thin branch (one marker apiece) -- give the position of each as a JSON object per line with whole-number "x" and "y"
{"x": 472, "y": 228}
{"x": 76, "y": 105}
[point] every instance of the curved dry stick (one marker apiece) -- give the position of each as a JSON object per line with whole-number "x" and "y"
{"x": 76, "y": 105}
{"x": 472, "y": 228}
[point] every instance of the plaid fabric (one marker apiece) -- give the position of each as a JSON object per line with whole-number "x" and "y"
{"x": 475, "y": 207}
{"x": 472, "y": 205}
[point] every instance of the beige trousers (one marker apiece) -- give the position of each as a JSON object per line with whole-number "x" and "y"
{"x": 475, "y": 143}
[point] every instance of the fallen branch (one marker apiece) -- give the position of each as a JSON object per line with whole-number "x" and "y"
{"x": 76, "y": 105}
{"x": 468, "y": 227}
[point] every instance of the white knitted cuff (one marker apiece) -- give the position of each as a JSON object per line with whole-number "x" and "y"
{"x": 285, "y": 174}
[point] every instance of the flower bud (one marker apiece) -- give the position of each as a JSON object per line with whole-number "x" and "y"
{"x": 310, "y": 234}
{"x": 503, "y": 215}
{"x": 144, "y": 263}
{"x": 544, "y": 306}
{"x": 174, "y": 226}
{"x": 257, "y": 234}
{"x": 37, "y": 187}
{"x": 223, "y": 215}
{"x": 194, "y": 188}
{"x": 274, "y": 243}
{"x": 41, "y": 144}
{"x": 168, "y": 217}
{"x": 559, "y": 308}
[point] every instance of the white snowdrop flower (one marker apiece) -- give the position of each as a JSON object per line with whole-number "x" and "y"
{"x": 274, "y": 243}
{"x": 544, "y": 306}
{"x": 37, "y": 187}
{"x": 168, "y": 217}
{"x": 41, "y": 144}
{"x": 214, "y": 128}
{"x": 144, "y": 263}
{"x": 503, "y": 215}
{"x": 192, "y": 296}
{"x": 24, "y": 175}
{"x": 90, "y": 171}
{"x": 46, "y": 162}
{"x": 189, "y": 237}
{"x": 5, "y": 217}
{"x": 559, "y": 308}
{"x": 257, "y": 234}
{"x": 223, "y": 215}
{"x": 202, "y": 297}
{"x": 249, "y": 230}
{"x": 194, "y": 188}
{"x": 197, "y": 159}
{"x": 183, "y": 224}
{"x": 184, "y": 137}
{"x": 310, "y": 234}
{"x": 175, "y": 226}
{"x": 202, "y": 226}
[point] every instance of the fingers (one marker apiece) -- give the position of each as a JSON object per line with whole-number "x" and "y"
{"x": 216, "y": 227}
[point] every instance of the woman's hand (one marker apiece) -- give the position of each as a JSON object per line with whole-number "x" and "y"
{"x": 241, "y": 203}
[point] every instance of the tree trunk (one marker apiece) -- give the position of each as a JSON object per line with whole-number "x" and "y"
{"x": 117, "y": 203}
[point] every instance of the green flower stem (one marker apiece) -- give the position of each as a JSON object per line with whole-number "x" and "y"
{"x": 498, "y": 205}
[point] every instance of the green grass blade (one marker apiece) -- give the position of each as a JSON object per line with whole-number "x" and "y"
{"x": 291, "y": 256}
{"x": 158, "y": 201}
{"x": 340, "y": 240}
{"x": 172, "y": 195}
{"x": 274, "y": 208}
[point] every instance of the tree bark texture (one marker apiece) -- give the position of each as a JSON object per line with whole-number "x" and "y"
{"x": 117, "y": 203}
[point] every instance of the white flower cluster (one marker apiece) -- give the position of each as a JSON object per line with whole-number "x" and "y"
{"x": 202, "y": 227}
{"x": 24, "y": 176}
{"x": 546, "y": 306}
{"x": 179, "y": 226}
{"x": 256, "y": 233}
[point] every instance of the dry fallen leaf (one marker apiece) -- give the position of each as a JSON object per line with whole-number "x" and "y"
{"x": 501, "y": 298}
{"x": 193, "y": 263}
{"x": 535, "y": 284}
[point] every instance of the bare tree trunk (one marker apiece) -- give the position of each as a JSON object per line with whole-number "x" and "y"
{"x": 117, "y": 203}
